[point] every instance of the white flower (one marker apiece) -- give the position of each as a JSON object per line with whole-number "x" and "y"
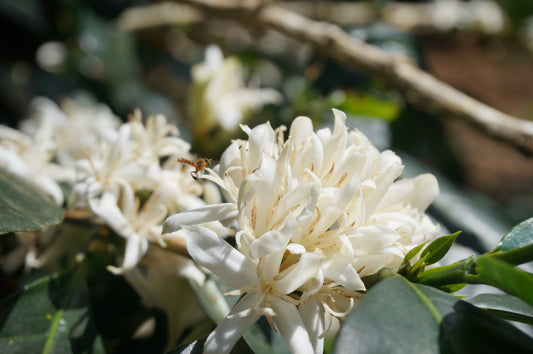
{"x": 31, "y": 159}
{"x": 219, "y": 96}
{"x": 113, "y": 174}
{"x": 314, "y": 214}
{"x": 45, "y": 149}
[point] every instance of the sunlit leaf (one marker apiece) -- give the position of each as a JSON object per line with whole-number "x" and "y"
{"x": 367, "y": 105}
{"x": 437, "y": 249}
{"x": 505, "y": 306}
{"x": 506, "y": 277}
{"x": 520, "y": 236}
{"x": 22, "y": 207}
{"x": 51, "y": 315}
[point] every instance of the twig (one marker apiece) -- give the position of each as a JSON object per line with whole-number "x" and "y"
{"x": 417, "y": 86}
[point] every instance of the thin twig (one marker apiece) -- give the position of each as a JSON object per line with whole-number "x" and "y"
{"x": 417, "y": 86}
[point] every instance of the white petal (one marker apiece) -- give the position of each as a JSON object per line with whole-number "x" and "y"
{"x": 420, "y": 192}
{"x": 228, "y": 332}
{"x": 273, "y": 241}
{"x": 341, "y": 271}
{"x": 307, "y": 267}
{"x": 199, "y": 216}
{"x": 312, "y": 315}
{"x": 291, "y": 327}
{"x": 136, "y": 247}
{"x": 210, "y": 251}
{"x": 106, "y": 208}
{"x": 301, "y": 129}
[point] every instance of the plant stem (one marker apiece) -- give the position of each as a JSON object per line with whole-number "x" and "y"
{"x": 464, "y": 271}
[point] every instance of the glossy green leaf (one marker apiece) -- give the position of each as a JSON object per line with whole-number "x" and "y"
{"x": 505, "y": 277}
{"x": 51, "y": 315}
{"x": 437, "y": 249}
{"x": 413, "y": 252}
{"x": 391, "y": 318}
{"x": 397, "y": 316}
{"x": 469, "y": 329}
{"x": 23, "y": 207}
{"x": 505, "y": 306}
{"x": 520, "y": 236}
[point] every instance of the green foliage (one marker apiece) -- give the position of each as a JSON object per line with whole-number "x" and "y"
{"x": 520, "y": 236}
{"x": 433, "y": 253}
{"x": 51, "y": 315}
{"x": 505, "y": 306}
{"x": 397, "y": 316}
{"x": 369, "y": 105}
{"x": 23, "y": 207}
{"x": 437, "y": 249}
{"x": 505, "y": 277}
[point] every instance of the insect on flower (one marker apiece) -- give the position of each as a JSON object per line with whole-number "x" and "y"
{"x": 199, "y": 165}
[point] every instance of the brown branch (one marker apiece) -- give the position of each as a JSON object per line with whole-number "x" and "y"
{"x": 398, "y": 71}
{"x": 477, "y": 16}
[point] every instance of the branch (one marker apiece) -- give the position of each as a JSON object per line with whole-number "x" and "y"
{"x": 398, "y": 71}
{"x": 476, "y": 16}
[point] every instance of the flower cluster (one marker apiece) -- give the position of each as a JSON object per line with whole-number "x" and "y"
{"x": 314, "y": 214}
{"x": 104, "y": 166}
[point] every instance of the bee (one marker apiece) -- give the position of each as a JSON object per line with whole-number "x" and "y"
{"x": 199, "y": 165}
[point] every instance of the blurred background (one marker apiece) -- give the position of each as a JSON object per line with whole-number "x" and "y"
{"x": 133, "y": 53}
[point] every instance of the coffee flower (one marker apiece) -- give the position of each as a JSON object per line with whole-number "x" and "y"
{"x": 113, "y": 174}
{"x": 220, "y": 96}
{"x": 313, "y": 213}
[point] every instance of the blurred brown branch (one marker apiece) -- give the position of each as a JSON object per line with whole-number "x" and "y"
{"x": 417, "y": 86}
{"x": 477, "y": 16}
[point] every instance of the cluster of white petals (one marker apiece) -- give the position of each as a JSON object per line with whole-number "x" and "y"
{"x": 105, "y": 166}
{"x": 314, "y": 214}
{"x": 44, "y": 150}
{"x": 219, "y": 95}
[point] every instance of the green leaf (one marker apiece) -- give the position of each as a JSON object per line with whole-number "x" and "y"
{"x": 505, "y": 277}
{"x": 520, "y": 236}
{"x": 23, "y": 207}
{"x": 469, "y": 329}
{"x": 397, "y": 316}
{"x": 386, "y": 107}
{"x": 437, "y": 249}
{"x": 506, "y": 306}
{"x": 51, "y": 315}
{"x": 413, "y": 252}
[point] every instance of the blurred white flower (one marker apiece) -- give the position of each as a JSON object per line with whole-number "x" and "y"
{"x": 314, "y": 213}
{"x": 112, "y": 175}
{"x": 219, "y": 95}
